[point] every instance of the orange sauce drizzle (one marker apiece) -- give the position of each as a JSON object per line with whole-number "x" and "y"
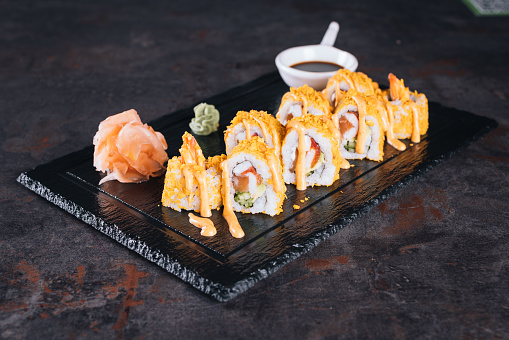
{"x": 248, "y": 129}
{"x": 201, "y": 177}
{"x": 192, "y": 157}
{"x": 276, "y": 180}
{"x": 393, "y": 141}
{"x": 333, "y": 129}
{"x": 188, "y": 179}
{"x": 206, "y": 225}
{"x": 302, "y": 98}
{"x": 304, "y": 105}
{"x": 349, "y": 80}
{"x": 345, "y": 164}
{"x": 334, "y": 120}
{"x": 228, "y": 213}
{"x": 356, "y": 84}
{"x": 337, "y": 90}
{"x": 263, "y": 127}
{"x": 383, "y": 114}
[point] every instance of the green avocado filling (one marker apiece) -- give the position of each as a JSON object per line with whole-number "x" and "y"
{"x": 245, "y": 199}
{"x": 350, "y": 145}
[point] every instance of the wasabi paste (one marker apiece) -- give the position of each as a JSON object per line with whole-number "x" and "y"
{"x": 206, "y": 119}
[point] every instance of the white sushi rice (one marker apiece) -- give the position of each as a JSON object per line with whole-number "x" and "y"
{"x": 324, "y": 174}
{"x": 348, "y": 108}
{"x": 373, "y": 135}
{"x": 267, "y": 203}
{"x": 315, "y": 111}
{"x": 374, "y": 138}
{"x": 295, "y": 108}
{"x": 330, "y": 92}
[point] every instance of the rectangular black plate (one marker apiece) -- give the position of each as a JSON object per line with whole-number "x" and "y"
{"x": 222, "y": 266}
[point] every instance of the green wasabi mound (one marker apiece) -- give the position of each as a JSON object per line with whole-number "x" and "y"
{"x": 206, "y": 119}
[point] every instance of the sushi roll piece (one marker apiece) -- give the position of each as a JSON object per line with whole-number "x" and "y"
{"x": 300, "y": 101}
{"x": 360, "y": 120}
{"x": 311, "y": 153}
{"x": 193, "y": 182}
{"x": 344, "y": 80}
{"x": 407, "y": 110}
{"x": 254, "y": 124}
{"x": 253, "y": 179}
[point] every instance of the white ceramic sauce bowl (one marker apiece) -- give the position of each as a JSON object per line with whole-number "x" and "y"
{"x": 317, "y": 80}
{"x": 324, "y": 52}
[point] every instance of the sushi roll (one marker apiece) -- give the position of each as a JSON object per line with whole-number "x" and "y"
{"x": 193, "y": 182}
{"x": 252, "y": 179}
{"x": 360, "y": 120}
{"x": 344, "y": 80}
{"x": 310, "y": 152}
{"x": 251, "y": 124}
{"x": 300, "y": 101}
{"x": 407, "y": 110}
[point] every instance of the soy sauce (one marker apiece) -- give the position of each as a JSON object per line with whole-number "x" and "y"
{"x": 317, "y": 66}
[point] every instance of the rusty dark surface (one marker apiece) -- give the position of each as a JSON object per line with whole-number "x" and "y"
{"x": 428, "y": 262}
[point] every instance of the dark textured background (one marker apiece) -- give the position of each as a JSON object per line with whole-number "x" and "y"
{"x": 430, "y": 262}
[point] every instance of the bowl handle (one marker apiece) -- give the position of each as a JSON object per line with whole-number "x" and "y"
{"x": 330, "y": 35}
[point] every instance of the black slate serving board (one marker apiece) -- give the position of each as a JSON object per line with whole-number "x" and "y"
{"x": 223, "y": 266}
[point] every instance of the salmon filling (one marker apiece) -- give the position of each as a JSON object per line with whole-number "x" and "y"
{"x": 241, "y": 181}
{"x": 314, "y": 156}
{"x": 349, "y": 125}
{"x": 247, "y": 183}
{"x": 349, "y": 128}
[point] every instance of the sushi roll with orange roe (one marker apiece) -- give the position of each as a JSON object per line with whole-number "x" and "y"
{"x": 247, "y": 124}
{"x": 361, "y": 121}
{"x": 193, "y": 182}
{"x": 408, "y": 110}
{"x": 311, "y": 153}
{"x": 300, "y": 101}
{"x": 344, "y": 80}
{"x": 253, "y": 180}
